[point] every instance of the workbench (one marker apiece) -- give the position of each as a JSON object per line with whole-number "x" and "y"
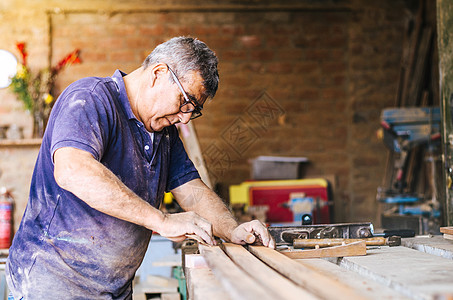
{"x": 421, "y": 268}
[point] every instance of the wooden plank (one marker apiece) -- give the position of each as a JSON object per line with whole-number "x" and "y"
{"x": 409, "y": 64}
{"x": 445, "y": 50}
{"x": 21, "y": 142}
{"x": 447, "y": 230}
{"x": 413, "y": 273}
{"x": 312, "y": 281}
{"x": 170, "y": 296}
{"x": 190, "y": 140}
{"x": 352, "y": 249}
{"x": 202, "y": 284}
{"x": 234, "y": 280}
{"x": 448, "y": 236}
{"x": 435, "y": 245}
{"x": 367, "y": 287}
{"x": 267, "y": 276}
{"x": 420, "y": 67}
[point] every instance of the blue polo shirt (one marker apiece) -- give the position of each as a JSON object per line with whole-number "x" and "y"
{"x": 64, "y": 249}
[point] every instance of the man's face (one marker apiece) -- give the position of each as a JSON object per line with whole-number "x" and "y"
{"x": 165, "y": 111}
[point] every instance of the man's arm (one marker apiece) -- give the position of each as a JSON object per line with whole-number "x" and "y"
{"x": 79, "y": 173}
{"x": 197, "y": 197}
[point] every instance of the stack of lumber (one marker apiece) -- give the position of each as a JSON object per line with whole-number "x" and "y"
{"x": 404, "y": 272}
{"x": 448, "y": 232}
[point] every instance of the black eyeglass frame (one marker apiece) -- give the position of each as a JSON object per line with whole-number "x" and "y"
{"x": 197, "y": 108}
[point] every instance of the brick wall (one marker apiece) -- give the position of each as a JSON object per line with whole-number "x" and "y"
{"x": 298, "y": 79}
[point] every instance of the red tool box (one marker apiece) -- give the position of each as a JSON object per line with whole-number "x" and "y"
{"x": 286, "y": 198}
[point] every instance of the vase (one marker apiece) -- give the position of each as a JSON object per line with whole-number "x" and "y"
{"x": 39, "y": 124}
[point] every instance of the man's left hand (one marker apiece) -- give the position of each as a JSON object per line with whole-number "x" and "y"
{"x": 247, "y": 233}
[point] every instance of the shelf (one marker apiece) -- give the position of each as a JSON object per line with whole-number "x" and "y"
{"x": 22, "y": 142}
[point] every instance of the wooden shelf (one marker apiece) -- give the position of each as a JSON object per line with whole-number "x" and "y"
{"x": 22, "y": 142}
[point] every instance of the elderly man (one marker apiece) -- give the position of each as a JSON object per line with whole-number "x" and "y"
{"x": 109, "y": 153}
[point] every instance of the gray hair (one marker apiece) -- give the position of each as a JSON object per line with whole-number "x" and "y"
{"x": 184, "y": 54}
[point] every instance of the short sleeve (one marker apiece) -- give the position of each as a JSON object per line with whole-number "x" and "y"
{"x": 81, "y": 121}
{"x": 181, "y": 169}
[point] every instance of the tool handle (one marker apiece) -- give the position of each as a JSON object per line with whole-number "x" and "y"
{"x": 313, "y": 243}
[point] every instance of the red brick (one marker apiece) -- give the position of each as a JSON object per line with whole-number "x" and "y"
{"x": 220, "y": 42}
{"x": 232, "y": 29}
{"x": 250, "y": 41}
{"x": 280, "y": 68}
{"x": 333, "y": 67}
{"x": 334, "y": 93}
{"x": 122, "y": 55}
{"x": 317, "y": 54}
{"x": 277, "y": 41}
{"x": 177, "y": 30}
{"x": 307, "y": 93}
{"x": 151, "y": 30}
{"x": 262, "y": 55}
{"x": 205, "y": 30}
{"x": 233, "y": 54}
{"x": 89, "y": 56}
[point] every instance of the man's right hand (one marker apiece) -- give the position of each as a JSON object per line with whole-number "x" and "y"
{"x": 175, "y": 227}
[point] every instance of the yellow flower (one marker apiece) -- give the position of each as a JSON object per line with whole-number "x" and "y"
{"x": 48, "y": 98}
{"x": 22, "y": 71}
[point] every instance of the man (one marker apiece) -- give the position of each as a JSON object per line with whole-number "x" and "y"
{"x": 109, "y": 153}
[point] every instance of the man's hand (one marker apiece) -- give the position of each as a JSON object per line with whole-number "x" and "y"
{"x": 246, "y": 233}
{"x": 175, "y": 227}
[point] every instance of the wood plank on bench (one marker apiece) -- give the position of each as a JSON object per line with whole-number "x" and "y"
{"x": 234, "y": 280}
{"x": 316, "y": 283}
{"x": 413, "y": 273}
{"x": 261, "y": 272}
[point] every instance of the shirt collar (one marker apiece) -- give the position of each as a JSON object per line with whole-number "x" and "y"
{"x": 117, "y": 77}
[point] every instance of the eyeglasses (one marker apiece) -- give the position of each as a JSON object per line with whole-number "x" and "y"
{"x": 189, "y": 105}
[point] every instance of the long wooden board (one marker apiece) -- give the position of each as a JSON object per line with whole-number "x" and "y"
{"x": 190, "y": 140}
{"x": 352, "y": 249}
{"x": 202, "y": 284}
{"x": 234, "y": 280}
{"x": 314, "y": 282}
{"x": 448, "y": 232}
{"x": 415, "y": 274}
{"x": 267, "y": 276}
{"x": 364, "y": 285}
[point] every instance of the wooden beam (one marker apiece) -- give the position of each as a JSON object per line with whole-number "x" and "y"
{"x": 202, "y": 284}
{"x": 412, "y": 273}
{"x": 190, "y": 140}
{"x": 234, "y": 280}
{"x": 314, "y": 282}
{"x": 445, "y": 46}
{"x": 267, "y": 276}
{"x": 415, "y": 91}
{"x": 352, "y": 249}
{"x": 448, "y": 232}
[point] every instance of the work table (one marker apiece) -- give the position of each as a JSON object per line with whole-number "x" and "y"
{"x": 421, "y": 268}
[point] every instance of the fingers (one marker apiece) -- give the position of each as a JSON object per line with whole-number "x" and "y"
{"x": 177, "y": 226}
{"x": 247, "y": 233}
{"x": 203, "y": 229}
{"x": 262, "y": 232}
{"x": 272, "y": 243}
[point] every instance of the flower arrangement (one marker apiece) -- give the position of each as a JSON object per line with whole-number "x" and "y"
{"x": 36, "y": 91}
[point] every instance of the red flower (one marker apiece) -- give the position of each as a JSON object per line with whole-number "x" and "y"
{"x": 71, "y": 58}
{"x": 23, "y": 52}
